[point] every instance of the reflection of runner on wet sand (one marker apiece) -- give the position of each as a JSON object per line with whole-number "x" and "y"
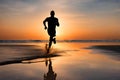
{"x": 50, "y": 75}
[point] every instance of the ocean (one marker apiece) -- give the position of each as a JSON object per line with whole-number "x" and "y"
{"x": 67, "y": 60}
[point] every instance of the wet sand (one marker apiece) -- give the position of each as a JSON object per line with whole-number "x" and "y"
{"x": 66, "y": 61}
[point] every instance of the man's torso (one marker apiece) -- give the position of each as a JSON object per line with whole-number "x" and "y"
{"x": 52, "y": 22}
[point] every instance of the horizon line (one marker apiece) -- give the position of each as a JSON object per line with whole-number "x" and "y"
{"x": 27, "y": 41}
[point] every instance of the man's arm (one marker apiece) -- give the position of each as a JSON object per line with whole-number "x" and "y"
{"x": 44, "y": 22}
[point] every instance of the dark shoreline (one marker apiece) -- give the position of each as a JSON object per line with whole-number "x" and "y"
{"x": 115, "y": 48}
{"x": 36, "y": 41}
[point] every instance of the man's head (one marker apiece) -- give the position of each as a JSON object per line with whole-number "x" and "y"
{"x": 52, "y": 13}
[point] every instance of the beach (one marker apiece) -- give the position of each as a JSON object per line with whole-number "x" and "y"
{"x": 65, "y": 61}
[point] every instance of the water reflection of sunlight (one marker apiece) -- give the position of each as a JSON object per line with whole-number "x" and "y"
{"x": 76, "y": 63}
{"x": 83, "y": 55}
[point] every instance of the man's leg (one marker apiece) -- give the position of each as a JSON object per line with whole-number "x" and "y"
{"x": 50, "y": 41}
{"x": 54, "y": 34}
{"x": 54, "y": 40}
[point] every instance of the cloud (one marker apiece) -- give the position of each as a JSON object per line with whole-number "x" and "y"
{"x": 21, "y": 7}
{"x": 108, "y": 1}
{"x": 93, "y": 6}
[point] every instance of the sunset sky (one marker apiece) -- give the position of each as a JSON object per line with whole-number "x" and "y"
{"x": 79, "y": 19}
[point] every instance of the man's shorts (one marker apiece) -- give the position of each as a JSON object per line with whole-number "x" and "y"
{"x": 51, "y": 33}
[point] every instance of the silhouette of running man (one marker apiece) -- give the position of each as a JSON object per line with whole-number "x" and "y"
{"x": 52, "y": 22}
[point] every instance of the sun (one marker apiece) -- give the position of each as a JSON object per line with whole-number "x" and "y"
{"x": 58, "y": 32}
